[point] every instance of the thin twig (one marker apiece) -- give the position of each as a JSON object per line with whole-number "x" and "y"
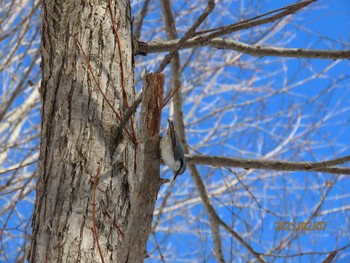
{"x": 114, "y": 223}
{"x": 209, "y": 8}
{"x": 99, "y": 87}
{"x": 251, "y": 195}
{"x": 122, "y": 71}
{"x": 163, "y": 204}
{"x": 95, "y": 80}
{"x": 140, "y": 19}
{"x": 120, "y": 53}
{"x": 257, "y": 255}
{"x": 94, "y": 213}
{"x": 171, "y": 95}
{"x": 212, "y": 213}
{"x": 130, "y": 112}
{"x": 158, "y": 247}
{"x": 21, "y": 165}
{"x": 306, "y": 253}
{"x": 253, "y": 22}
{"x": 290, "y": 237}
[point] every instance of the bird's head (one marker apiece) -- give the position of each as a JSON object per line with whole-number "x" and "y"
{"x": 171, "y": 128}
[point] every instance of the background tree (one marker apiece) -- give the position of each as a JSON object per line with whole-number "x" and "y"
{"x": 238, "y": 89}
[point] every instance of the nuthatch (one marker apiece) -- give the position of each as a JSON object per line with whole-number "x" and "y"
{"x": 171, "y": 151}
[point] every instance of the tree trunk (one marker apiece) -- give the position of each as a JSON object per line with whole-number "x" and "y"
{"x": 79, "y": 138}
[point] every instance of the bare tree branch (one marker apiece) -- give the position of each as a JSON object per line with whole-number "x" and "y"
{"x": 176, "y": 85}
{"x": 325, "y": 166}
{"x": 259, "y": 51}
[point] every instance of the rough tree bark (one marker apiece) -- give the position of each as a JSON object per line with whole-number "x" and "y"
{"x": 79, "y": 139}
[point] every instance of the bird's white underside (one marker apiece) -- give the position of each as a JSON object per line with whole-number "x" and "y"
{"x": 167, "y": 154}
